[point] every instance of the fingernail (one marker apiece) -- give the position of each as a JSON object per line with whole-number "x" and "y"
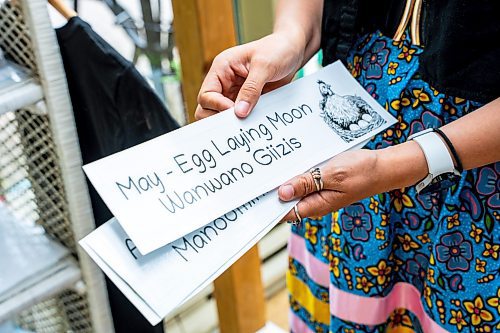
{"x": 242, "y": 109}
{"x": 286, "y": 192}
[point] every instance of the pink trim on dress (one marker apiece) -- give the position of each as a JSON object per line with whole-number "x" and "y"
{"x": 317, "y": 270}
{"x": 376, "y": 310}
{"x": 297, "y": 325}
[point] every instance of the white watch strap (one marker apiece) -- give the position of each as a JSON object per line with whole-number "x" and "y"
{"x": 437, "y": 156}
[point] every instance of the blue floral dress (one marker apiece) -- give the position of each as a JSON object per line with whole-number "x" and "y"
{"x": 398, "y": 261}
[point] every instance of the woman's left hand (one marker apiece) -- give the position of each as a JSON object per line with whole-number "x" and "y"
{"x": 348, "y": 177}
{"x": 355, "y": 175}
{"x": 352, "y": 176}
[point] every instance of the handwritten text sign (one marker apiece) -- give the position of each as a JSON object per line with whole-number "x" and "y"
{"x": 167, "y": 187}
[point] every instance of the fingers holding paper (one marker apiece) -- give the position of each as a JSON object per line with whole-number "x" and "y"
{"x": 346, "y": 178}
{"x": 239, "y": 75}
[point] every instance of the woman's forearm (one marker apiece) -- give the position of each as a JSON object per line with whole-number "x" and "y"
{"x": 301, "y": 21}
{"x": 476, "y": 138}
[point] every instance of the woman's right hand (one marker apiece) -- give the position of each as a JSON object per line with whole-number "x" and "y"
{"x": 239, "y": 75}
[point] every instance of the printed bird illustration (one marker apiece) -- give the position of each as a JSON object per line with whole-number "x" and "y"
{"x": 348, "y": 112}
{"x": 350, "y": 116}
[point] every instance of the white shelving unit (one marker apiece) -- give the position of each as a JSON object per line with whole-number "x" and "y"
{"x": 34, "y": 267}
{"x": 20, "y": 96}
{"x": 43, "y": 194}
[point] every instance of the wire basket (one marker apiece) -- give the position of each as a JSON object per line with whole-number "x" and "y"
{"x": 31, "y": 185}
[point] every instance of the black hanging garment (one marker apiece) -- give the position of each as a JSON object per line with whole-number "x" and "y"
{"x": 114, "y": 108}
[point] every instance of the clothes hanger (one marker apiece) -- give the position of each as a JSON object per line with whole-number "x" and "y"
{"x": 62, "y": 8}
{"x": 413, "y": 9}
{"x": 415, "y": 22}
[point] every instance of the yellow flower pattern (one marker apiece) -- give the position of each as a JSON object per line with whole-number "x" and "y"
{"x": 477, "y": 311}
{"x": 480, "y": 265}
{"x": 457, "y": 319}
{"x": 374, "y": 205}
{"x": 420, "y": 97}
{"x": 380, "y": 234}
{"x": 424, "y": 238}
{"x": 356, "y": 66}
{"x": 336, "y": 244}
{"x": 397, "y": 129}
{"x": 385, "y": 219}
{"x": 311, "y": 232}
{"x": 400, "y": 200}
{"x": 427, "y": 296}
{"x": 399, "y": 317}
{"x": 430, "y": 276}
{"x": 407, "y": 243}
{"x": 391, "y": 69}
{"x": 334, "y": 266}
{"x": 453, "y": 221}
{"x": 476, "y": 233}
{"x": 381, "y": 271}
{"x": 401, "y": 102}
{"x": 491, "y": 250}
{"x": 407, "y": 53}
{"x": 495, "y": 301}
{"x": 363, "y": 283}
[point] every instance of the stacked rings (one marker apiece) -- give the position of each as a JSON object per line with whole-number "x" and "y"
{"x": 316, "y": 175}
{"x": 318, "y": 183}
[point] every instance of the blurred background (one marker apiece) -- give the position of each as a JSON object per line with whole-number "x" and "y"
{"x": 47, "y": 284}
{"x": 148, "y": 41}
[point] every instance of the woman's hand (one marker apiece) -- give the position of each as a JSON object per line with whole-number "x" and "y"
{"x": 355, "y": 175}
{"x": 347, "y": 178}
{"x": 240, "y": 74}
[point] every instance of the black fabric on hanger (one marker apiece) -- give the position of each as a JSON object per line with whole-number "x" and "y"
{"x": 114, "y": 108}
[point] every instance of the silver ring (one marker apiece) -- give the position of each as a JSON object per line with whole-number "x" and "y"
{"x": 318, "y": 181}
{"x": 296, "y": 210}
{"x": 297, "y": 221}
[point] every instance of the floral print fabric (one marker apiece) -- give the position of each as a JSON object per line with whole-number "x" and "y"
{"x": 446, "y": 245}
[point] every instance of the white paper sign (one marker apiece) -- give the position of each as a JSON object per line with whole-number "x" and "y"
{"x": 160, "y": 282}
{"x": 169, "y": 186}
{"x": 163, "y": 280}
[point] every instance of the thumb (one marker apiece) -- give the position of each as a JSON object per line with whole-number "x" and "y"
{"x": 298, "y": 187}
{"x": 250, "y": 92}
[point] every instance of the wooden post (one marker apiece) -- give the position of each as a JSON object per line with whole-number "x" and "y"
{"x": 240, "y": 296}
{"x": 204, "y": 28}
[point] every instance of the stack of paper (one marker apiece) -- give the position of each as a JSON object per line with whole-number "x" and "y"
{"x": 188, "y": 204}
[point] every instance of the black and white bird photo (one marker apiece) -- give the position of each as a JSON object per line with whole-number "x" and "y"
{"x": 349, "y": 116}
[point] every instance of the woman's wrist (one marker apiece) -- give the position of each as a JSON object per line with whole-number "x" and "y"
{"x": 400, "y": 166}
{"x": 300, "y": 22}
{"x": 295, "y": 38}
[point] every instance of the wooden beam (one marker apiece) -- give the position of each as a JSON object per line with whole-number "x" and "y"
{"x": 204, "y": 28}
{"x": 218, "y": 27}
{"x": 188, "y": 38}
{"x": 240, "y": 296}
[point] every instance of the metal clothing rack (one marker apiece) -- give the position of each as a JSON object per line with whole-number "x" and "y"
{"x": 148, "y": 38}
{"x": 41, "y": 180}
